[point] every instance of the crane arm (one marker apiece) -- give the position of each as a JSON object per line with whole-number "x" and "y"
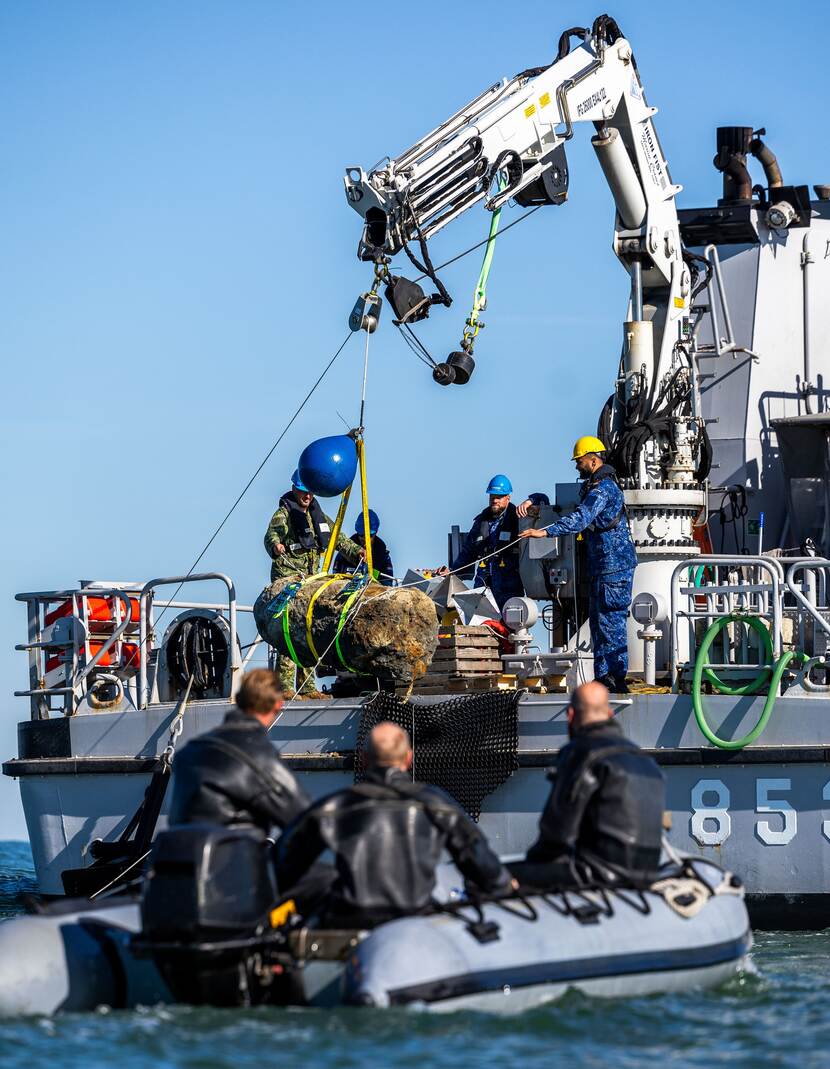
{"x": 509, "y": 142}
{"x": 516, "y": 131}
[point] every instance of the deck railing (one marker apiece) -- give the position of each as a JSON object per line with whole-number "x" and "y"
{"x": 78, "y": 646}
{"x": 789, "y": 593}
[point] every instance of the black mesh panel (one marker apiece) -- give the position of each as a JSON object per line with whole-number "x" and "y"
{"x": 467, "y": 745}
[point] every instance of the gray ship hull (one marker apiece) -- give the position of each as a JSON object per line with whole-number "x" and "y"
{"x": 763, "y": 812}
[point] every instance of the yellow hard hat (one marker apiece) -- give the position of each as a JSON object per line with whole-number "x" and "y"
{"x": 587, "y": 444}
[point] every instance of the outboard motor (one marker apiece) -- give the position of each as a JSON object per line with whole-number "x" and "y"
{"x": 205, "y": 914}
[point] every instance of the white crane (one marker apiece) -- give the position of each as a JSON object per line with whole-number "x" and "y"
{"x": 509, "y": 142}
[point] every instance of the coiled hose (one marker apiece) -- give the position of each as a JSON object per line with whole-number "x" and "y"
{"x": 776, "y": 669}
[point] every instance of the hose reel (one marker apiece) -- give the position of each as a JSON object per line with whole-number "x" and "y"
{"x": 197, "y": 643}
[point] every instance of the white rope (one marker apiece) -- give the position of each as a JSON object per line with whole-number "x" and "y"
{"x": 365, "y": 375}
{"x": 455, "y": 571}
{"x": 120, "y": 875}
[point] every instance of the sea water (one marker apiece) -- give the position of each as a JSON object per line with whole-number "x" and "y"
{"x": 775, "y": 1014}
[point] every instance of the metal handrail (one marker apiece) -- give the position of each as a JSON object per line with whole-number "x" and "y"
{"x": 808, "y": 564}
{"x": 112, "y": 639}
{"x": 35, "y": 599}
{"x": 768, "y": 564}
{"x": 143, "y": 603}
{"x": 727, "y": 344}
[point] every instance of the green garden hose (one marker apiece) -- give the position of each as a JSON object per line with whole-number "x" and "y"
{"x": 702, "y": 669}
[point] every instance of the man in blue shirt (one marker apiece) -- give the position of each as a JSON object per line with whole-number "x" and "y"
{"x": 494, "y": 529}
{"x": 612, "y": 558}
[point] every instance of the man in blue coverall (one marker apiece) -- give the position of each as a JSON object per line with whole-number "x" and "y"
{"x": 611, "y": 557}
{"x": 494, "y": 528}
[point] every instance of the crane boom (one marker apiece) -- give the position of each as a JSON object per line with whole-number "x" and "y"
{"x": 509, "y": 142}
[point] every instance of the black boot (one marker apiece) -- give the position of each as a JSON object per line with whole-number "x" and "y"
{"x": 609, "y": 682}
{"x": 619, "y": 685}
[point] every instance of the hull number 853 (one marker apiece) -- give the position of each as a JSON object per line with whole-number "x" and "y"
{"x": 711, "y": 824}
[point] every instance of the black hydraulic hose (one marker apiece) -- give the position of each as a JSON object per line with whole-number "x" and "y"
{"x": 606, "y": 30}
{"x": 698, "y": 284}
{"x": 706, "y": 456}
{"x": 643, "y": 423}
{"x": 738, "y": 508}
{"x": 565, "y": 40}
{"x": 442, "y": 297}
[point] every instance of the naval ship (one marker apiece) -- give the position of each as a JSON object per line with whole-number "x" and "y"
{"x": 730, "y": 620}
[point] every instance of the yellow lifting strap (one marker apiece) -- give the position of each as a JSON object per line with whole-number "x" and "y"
{"x": 364, "y": 495}
{"x": 309, "y": 616}
{"x": 335, "y": 534}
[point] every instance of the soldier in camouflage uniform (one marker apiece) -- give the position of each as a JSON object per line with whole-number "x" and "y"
{"x": 296, "y": 541}
{"x": 611, "y": 557}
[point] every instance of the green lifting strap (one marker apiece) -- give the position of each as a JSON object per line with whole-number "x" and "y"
{"x": 480, "y": 295}
{"x": 341, "y": 624}
{"x": 286, "y": 634}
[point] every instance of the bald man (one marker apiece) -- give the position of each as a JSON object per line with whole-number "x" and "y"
{"x": 604, "y": 816}
{"x": 387, "y": 835}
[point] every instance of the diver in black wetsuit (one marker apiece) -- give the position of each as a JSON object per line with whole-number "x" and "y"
{"x": 604, "y": 816}
{"x": 387, "y": 835}
{"x": 233, "y": 775}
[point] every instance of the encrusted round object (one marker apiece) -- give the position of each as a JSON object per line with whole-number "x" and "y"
{"x": 387, "y": 632}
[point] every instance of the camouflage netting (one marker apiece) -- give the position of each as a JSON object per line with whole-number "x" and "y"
{"x": 467, "y": 746}
{"x": 392, "y": 635}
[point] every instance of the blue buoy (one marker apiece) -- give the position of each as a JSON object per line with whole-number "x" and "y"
{"x": 328, "y": 465}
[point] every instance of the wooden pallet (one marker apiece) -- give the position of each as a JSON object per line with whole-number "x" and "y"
{"x": 467, "y": 659}
{"x": 457, "y": 636}
{"x": 461, "y": 661}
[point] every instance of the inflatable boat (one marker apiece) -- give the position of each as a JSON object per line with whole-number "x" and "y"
{"x": 203, "y": 932}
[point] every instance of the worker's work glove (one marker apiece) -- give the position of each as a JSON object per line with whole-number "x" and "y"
{"x": 527, "y": 508}
{"x": 534, "y": 532}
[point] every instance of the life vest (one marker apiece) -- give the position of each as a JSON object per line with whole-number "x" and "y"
{"x": 605, "y": 472}
{"x": 508, "y": 532}
{"x": 305, "y": 537}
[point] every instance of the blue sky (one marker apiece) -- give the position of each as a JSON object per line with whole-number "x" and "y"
{"x": 177, "y": 263}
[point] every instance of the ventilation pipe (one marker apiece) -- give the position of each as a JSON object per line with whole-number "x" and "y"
{"x": 766, "y": 157}
{"x": 733, "y": 145}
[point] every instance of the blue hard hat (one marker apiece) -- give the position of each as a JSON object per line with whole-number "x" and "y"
{"x": 499, "y": 486}
{"x": 298, "y": 483}
{"x": 374, "y": 523}
{"x": 328, "y": 465}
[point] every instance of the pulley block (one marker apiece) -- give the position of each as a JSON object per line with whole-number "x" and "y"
{"x": 366, "y": 313}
